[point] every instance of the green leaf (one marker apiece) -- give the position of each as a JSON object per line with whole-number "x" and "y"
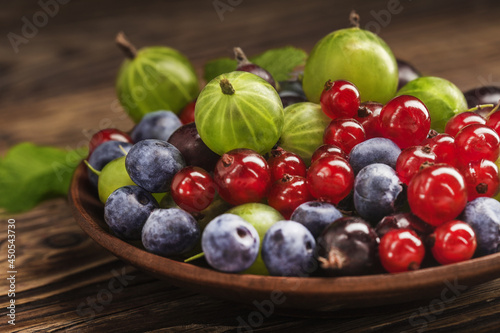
{"x": 30, "y": 174}
{"x": 279, "y": 62}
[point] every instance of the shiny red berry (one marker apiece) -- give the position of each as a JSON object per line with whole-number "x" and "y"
{"x": 443, "y": 145}
{"x": 401, "y": 250}
{"x": 405, "y": 120}
{"x": 411, "y": 159}
{"x": 481, "y": 179}
{"x": 437, "y": 194}
{"x": 108, "y": 134}
{"x": 494, "y": 121}
{"x": 327, "y": 150}
{"x": 330, "y": 179}
{"x": 193, "y": 189}
{"x": 288, "y": 193}
{"x": 284, "y": 162}
{"x": 476, "y": 142}
{"x": 459, "y": 121}
{"x": 242, "y": 176}
{"x": 367, "y": 116}
{"x": 187, "y": 114}
{"x": 454, "y": 241}
{"x": 340, "y": 99}
{"x": 344, "y": 133}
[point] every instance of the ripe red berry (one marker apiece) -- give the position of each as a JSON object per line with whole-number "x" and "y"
{"x": 242, "y": 176}
{"x": 443, "y": 145}
{"x": 411, "y": 159}
{"x": 327, "y": 150}
{"x": 193, "y": 189}
{"x": 405, "y": 120}
{"x": 330, "y": 179}
{"x": 476, "y": 142}
{"x": 344, "y": 133}
{"x": 481, "y": 179}
{"x": 283, "y": 162}
{"x": 368, "y": 114}
{"x": 401, "y": 250}
{"x": 494, "y": 121}
{"x": 108, "y": 134}
{"x": 187, "y": 114}
{"x": 340, "y": 99}
{"x": 287, "y": 194}
{"x": 454, "y": 241}
{"x": 459, "y": 121}
{"x": 437, "y": 194}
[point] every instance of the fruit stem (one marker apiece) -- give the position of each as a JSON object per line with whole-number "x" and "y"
{"x": 335, "y": 260}
{"x": 226, "y": 87}
{"x": 196, "y": 256}
{"x": 494, "y": 110}
{"x": 479, "y": 107}
{"x": 97, "y": 172}
{"x": 354, "y": 18}
{"x": 123, "y": 150}
{"x": 240, "y": 56}
{"x": 125, "y": 45}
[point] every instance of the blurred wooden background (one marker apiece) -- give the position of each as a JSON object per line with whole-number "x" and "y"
{"x": 59, "y": 87}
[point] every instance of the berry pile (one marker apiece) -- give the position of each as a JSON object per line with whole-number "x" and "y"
{"x": 351, "y": 186}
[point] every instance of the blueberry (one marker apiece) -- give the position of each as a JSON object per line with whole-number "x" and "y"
{"x": 315, "y": 216}
{"x": 105, "y": 153}
{"x": 230, "y": 243}
{"x": 483, "y": 215}
{"x": 377, "y": 190}
{"x": 126, "y": 211}
{"x": 288, "y": 249}
{"x": 375, "y": 150}
{"x": 170, "y": 232}
{"x": 152, "y": 164}
{"x": 156, "y": 125}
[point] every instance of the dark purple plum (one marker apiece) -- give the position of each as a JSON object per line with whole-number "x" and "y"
{"x": 315, "y": 216}
{"x": 126, "y": 211}
{"x": 348, "y": 246}
{"x": 483, "y": 215}
{"x": 152, "y": 164}
{"x": 288, "y": 249}
{"x": 156, "y": 125}
{"x": 375, "y": 150}
{"x": 170, "y": 232}
{"x": 104, "y": 154}
{"x": 192, "y": 148}
{"x": 482, "y": 95}
{"x": 403, "y": 221}
{"x": 245, "y": 65}
{"x": 406, "y": 73}
{"x": 230, "y": 243}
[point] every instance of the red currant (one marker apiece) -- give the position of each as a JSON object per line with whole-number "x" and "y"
{"x": 344, "y": 133}
{"x": 242, "y": 176}
{"x": 481, "y": 178}
{"x": 405, "y": 120}
{"x": 187, "y": 114}
{"x": 454, "y": 241}
{"x": 287, "y": 194}
{"x": 401, "y": 250}
{"x": 330, "y": 179}
{"x": 476, "y": 142}
{"x": 437, "y": 194}
{"x": 284, "y": 162}
{"x": 108, "y": 134}
{"x": 409, "y": 161}
{"x": 327, "y": 150}
{"x": 494, "y": 121}
{"x": 193, "y": 189}
{"x": 443, "y": 145}
{"x": 367, "y": 116}
{"x": 459, "y": 121}
{"x": 340, "y": 99}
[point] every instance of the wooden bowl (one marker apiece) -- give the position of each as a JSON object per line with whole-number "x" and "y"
{"x": 315, "y": 293}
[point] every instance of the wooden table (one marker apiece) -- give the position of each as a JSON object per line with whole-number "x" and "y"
{"x": 59, "y": 87}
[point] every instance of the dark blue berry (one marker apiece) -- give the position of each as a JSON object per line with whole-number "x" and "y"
{"x": 103, "y": 154}
{"x": 156, "y": 125}
{"x": 375, "y": 150}
{"x": 315, "y": 216}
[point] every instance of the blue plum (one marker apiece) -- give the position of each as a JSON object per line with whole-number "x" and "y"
{"x": 156, "y": 125}
{"x": 375, "y": 150}
{"x": 230, "y": 243}
{"x": 103, "y": 154}
{"x": 288, "y": 249}
{"x": 483, "y": 215}
{"x": 315, "y": 216}
{"x": 170, "y": 232}
{"x": 377, "y": 190}
{"x": 127, "y": 209}
{"x": 152, "y": 164}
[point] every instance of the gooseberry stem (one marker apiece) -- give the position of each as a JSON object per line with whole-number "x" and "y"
{"x": 125, "y": 45}
{"x": 196, "y": 256}
{"x": 97, "y": 172}
{"x": 226, "y": 86}
{"x": 240, "y": 56}
{"x": 354, "y": 18}
{"x": 479, "y": 107}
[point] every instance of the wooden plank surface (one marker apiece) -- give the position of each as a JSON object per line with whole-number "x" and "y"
{"x": 59, "y": 88}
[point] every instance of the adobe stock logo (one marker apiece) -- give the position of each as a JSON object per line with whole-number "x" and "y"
{"x": 40, "y": 19}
